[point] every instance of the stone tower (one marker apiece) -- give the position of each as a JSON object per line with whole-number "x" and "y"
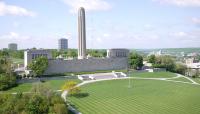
{"x": 81, "y": 34}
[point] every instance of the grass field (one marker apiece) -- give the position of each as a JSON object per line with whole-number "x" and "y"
{"x": 17, "y": 61}
{"x": 153, "y": 74}
{"x": 54, "y": 84}
{"x": 144, "y": 97}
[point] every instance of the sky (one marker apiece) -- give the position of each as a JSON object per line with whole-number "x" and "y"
{"x": 141, "y": 24}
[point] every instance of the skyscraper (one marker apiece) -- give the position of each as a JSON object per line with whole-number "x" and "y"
{"x": 63, "y": 44}
{"x": 12, "y": 46}
{"x": 81, "y": 34}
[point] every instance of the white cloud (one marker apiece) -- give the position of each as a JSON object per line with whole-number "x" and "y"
{"x": 14, "y": 36}
{"x": 89, "y": 5}
{"x": 179, "y": 34}
{"x": 6, "y": 9}
{"x": 196, "y": 20}
{"x": 191, "y": 36}
{"x": 181, "y": 3}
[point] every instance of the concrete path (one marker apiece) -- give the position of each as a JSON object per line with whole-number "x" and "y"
{"x": 188, "y": 78}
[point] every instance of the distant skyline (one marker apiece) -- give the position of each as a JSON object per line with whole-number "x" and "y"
{"x": 139, "y": 24}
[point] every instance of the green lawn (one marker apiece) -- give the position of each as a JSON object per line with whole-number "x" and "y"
{"x": 54, "y": 84}
{"x": 17, "y": 61}
{"x": 153, "y": 74}
{"x": 144, "y": 97}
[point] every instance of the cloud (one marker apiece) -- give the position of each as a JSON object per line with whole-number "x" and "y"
{"x": 181, "y": 3}
{"x": 191, "y": 36}
{"x": 6, "y": 9}
{"x": 14, "y": 36}
{"x": 179, "y": 34}
{"x": 89, "y": 5}
{"x": 196, "y": 21}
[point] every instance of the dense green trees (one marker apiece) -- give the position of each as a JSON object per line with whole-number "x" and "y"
{"x": 167, "y": 62}
{"x": 164, "y": 62}
{"x": 36, "y": 102}
{"x": 135, "y": 61}
{"x": 12, "y": 54}
{"x": 152, "y": 59}
{"x": 7, "y": 81}
{"x": 7, "y": 77}
{"x": 39, "y": 65}
{"x": 73, "y": 53}
{"x": 180, "y": 68}
{"x": 97, "y": 53}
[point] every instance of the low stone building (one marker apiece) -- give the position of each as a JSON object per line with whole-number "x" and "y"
{"x": 116, "y": 59}
{"x": 30, "y": 55}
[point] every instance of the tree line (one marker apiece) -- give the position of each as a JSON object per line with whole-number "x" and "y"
{"x": 40, "y": 100}
{"x": 168, "y": 62}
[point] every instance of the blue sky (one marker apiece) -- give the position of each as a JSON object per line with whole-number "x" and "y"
{"x": 110, "y": 23}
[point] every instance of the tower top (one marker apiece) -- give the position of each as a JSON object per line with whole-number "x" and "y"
{"x": 81, "y": 8}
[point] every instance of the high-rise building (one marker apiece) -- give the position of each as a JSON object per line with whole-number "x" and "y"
{"x": 63, "y": 44}
{"x": 12, "y": 46}
{"x": 81, "y": 34}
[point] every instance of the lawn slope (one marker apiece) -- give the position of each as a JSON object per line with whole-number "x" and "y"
{"x": 144, "y": 97}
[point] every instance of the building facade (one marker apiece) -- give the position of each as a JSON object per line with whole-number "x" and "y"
{"x": 63, "y": 44}
{"x": 113, "y": 53}
{"x": 12, "y": 46}
{"x": 30, "y": 55}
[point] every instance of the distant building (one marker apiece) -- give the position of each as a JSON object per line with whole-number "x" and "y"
{"x": 112, "y": 53}
{"x": 191, "y": 60}
{"x": 30, "y": 55}
{"x": 63, "y": 44}
{"x": 12, "y": 46}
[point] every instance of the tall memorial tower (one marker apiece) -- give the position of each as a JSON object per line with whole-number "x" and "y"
{"x": 81, "y": 34}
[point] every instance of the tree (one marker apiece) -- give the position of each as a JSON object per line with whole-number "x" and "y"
{"x": 60, "y": 109}
{"x": 135, "y": 61}
{"x": 7, "y": 77}
{"x": 164, "y": 62}
{"x": 39, "y": 65}
{"x": 37, "y": 105}
{"x": 152, "y": 59}
{"x": 7, "y": 81}
{"x": 71, "y": 87}
{"x": 72, "y": 53}
{"x": 180, "y": 68}
{"x": 33, "y": 103}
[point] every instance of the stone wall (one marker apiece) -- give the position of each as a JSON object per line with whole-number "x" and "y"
{"x": 86, "y": 65}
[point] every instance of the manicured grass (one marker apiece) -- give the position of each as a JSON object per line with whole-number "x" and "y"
{"x": 26, "y": 87}
{"x": 153, "y": 74}
{"x": 17, "y": 61}
{"x": 144, "y": 97}
{"x": 181, "y": 79}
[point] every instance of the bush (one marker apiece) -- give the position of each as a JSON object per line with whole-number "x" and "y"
{"x": 7, "y": 81}
{"x": 32, "y": 104}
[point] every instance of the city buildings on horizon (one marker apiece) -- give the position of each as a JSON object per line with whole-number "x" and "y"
{"x": 12, "y": 46}
{"x": 63, "y": 44}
